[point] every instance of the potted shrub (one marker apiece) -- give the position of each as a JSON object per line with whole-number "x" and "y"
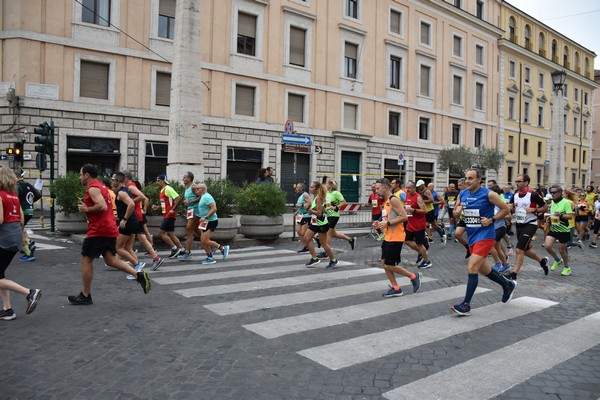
{"x": 68, "y": 192}
{"x": 261, "y": 206}
{"x": 224, "y": 192}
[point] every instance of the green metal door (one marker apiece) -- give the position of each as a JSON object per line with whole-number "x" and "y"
{"x": 350, "y": 180}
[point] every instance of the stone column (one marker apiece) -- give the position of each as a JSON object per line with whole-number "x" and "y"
{"x": 557, "y": 155}
{"x": 185, "y": 126}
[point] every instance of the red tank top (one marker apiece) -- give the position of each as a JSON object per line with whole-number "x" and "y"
{"x": 100, "y": 224}
{"x": 138, "y": 206}
{"x": 11, "y": 206}
{"x": 416, "y": 222}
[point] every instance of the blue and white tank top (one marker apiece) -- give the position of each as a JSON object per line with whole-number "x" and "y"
{"x": 477, "y": 205}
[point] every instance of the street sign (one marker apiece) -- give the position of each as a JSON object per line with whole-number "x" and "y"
{"x": 401, "y": 159}
{"x": 296, "y": 139}
{"x": 288, "y": 128}
{"x": 296, "y": 148}
{"x": 318, "y": 149}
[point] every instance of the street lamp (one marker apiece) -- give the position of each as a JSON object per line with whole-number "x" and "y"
{"x": 558, "y": 79}
{"x": 557, "y": 158}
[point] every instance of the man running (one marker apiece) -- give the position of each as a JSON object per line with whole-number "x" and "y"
{"x": 450, "y": 199}
{"x": 169, "y": 199}
{"x": 526, "y": 204}
{"x": 415, "y": 227}
{"x": 477, "y": 205}
{"x": 206, "y": 211}
{"x": 101, "y": 236}
{"x": 560, "y": 214}
{"x": 190, "y": 199}
{"x": 392, "y": 221}
{"x": 28, "y": 195}
{"x": 375, "y": 202}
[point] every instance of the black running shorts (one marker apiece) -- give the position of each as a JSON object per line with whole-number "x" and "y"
{"x": 94, "y": 247}
{"x": 391, "y": 252}
{"x": 525, "y": 233}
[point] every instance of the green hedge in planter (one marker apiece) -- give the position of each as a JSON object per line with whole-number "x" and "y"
{"x": 261, "y": 199}
{"x": 68, "y": 191}
{"x": 224, "y": 192}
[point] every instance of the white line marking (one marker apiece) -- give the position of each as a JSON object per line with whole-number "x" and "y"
{"x": 232, "y": 251}
{"x": 369, "y": 347}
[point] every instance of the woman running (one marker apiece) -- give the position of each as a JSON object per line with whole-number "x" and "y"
{"x": 319, "y": 224}
{"x": 302, "y": 216}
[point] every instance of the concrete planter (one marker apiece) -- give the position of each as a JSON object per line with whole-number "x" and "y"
{"x": 261, "y": 227}
{"x": 226, "y": 230}
{"x": 71, "y": 223}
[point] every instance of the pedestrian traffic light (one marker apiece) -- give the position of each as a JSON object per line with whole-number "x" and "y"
{"x": 19, "y": 150}
{"x": 10, "y": 151}
{"x": 45, "y": 138}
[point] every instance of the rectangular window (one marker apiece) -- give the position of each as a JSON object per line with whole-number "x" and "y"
{"x": 525, "y": 146}
{"x": 512, "y": 69}
{"x": 423, "y": 128}
{"x": 396, "y": 22}
{"x": 350, "y": 60}
{"x": 539, "y": 176}
{"x": 395, "y": 68}
{"x": 541, "y": 81}
{"x": 585, "y": 98}
{"x": 526, "y": 112}
{"x": 575, "y": 126}
{"x": 479, "y": 9}
{"x": 574, "y": 155}
{"x": 585, "y": 129}
{"x": 511, "y": 108}
{"x": 576, "y": 94}
{"x": 479, "y": 96}
{"x": 163, "y": 89}
{"x": 574, "y": 178}
{"x": 540, "y": 116}
{"x": 244, "y": 100}
{"x": 478, "y": 137}
{"x": 93, "y": 80}
{"x": 297, "y": 46}
{"x": 565, "y": 90}
{"x": 394, "y": 124}
{"x": 583, "y": 157}
{"x": 457, "y": 46}
{"x": 352, "y": 8}
{"x": 511, "y": 141}
{"x": 539, "y": 149}
{"x": 425, "y": 33}
{"x": 479, "y": 55}
{"x": 457, "y": 90}
{"x": 458, "y": 3}
{"x": 527, "y": 75}
{"x": 96, "y": 12}
{"x": 350, "y": 111}
{"x": 456, "y": 128}
{"x": 166, "y": 19}
{"x": 296, "y": 107}
{"x": 424, "y": 84}
{"x": 246, "y": 38}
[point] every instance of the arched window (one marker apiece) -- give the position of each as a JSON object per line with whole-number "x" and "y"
{"x": 527, "y": 37}
{"x": 566, "y": 57}
{"x": 577, "y": 65}
{"x": 554, "y": 51}
{"x": 542, "y": 45}
{"x": 512, "y": 29}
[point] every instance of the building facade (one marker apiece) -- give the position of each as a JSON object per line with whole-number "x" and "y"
{"x": 595, "y": 180}
{"x": 529, "y": 52}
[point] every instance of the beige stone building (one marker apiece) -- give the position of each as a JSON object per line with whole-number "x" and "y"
{"x": 367, "y": 82}
{"x": 595, "y": 174}
{"x": 529, "y": 52}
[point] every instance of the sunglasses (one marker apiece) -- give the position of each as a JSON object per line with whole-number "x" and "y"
{"x": 554, "y": 192}
{"x": 519, "y": 181}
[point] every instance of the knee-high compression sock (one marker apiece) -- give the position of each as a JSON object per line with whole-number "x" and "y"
{"x": 499, "y": 279}
{"x": 472, "y": 283}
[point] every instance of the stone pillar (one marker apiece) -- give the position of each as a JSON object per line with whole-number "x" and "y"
{"x": 185, "y": 126}
{"x": 557, "y": 154}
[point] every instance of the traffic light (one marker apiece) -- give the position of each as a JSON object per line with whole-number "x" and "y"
{"x": 19, "y": 150}
{"x": 10, "y": 151}
{"x": 45, "y": 138}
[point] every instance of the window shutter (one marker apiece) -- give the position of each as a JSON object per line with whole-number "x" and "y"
{"x": 167, "y": 8}
{"x": 297, "y": 44}
{"x": 395, "y": 22}
{"x": 457, "y": 89}
{"x": 296, "y": 107}
{"x": 424, "y": 80}
{"x": 457, "y": 46}
{"x": 351, "y": 50}
{"x": 163, "y": 89}
{"x": 244, "y": 100}
{"x": 247, "y": 25}
{"x": 350, "y": 116}
{"x": 424, "y": 33}
{"x": 93, "y": 80}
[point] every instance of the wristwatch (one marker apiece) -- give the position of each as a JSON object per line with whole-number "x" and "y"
{"x": 493, "y": 220}
{"x": 388, "y": 223}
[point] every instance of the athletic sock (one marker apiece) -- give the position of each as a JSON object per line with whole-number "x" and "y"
{"x": 472, "y": 283}
{"x": 413, "y": 276}
{"x": 209, "y": 255}
{"x": 499, "y": 279}
{"x": 396, "y": 287}
{"x": 155, "y": 258}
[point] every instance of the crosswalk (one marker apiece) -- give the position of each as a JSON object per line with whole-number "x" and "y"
{"x": 257, "y": 277}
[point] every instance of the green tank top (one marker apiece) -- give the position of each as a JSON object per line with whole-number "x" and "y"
{"x": 322, "y": 220}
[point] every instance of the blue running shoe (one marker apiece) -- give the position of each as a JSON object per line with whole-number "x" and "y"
{"x": 26, "y": 258}
{"x": 504, "y": 268}
{"x": 225, "y": 252}
{"x": 138, "y": 268}
{"x": 322, "y": 255}
{"x": 312, "y": 262}
{"x": 462, "y": 309}
{"x": 509, "y": 291}
{"x": 208, "y": 260}
{"x": 393, "y": 292}
{"x": 497, "y": 267}
{"x": 425, "y": 264}
{"x": 332, "y": 264}
{"x": 416, "y": 283}
{"x": 184, "y": 256}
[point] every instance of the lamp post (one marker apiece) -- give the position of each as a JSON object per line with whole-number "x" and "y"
{"x": 557, "y": 153}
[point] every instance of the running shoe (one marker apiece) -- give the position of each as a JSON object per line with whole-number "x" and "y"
{"x": 497, "y": 267}
{"x": 381, "y": 237}
{"x": 510, "y": 275}
{"x": 139, "y": 267}
{"x": 81, "y": 300}
{"x": 8, "y": 315}
{"x": 352, "y": 243}
{"x": 566, "y": 271}
{"x": 225, "y": 252}
{"x": 26, "y": 258}
{"x": 419, "y": 259}
{"x": 430, "y": 240}
{"x": 184, "y": 256}
{"x": 593, "y": 245}
{"x": 303, "y": 250}
{"x": 332, "y": 264}
{"x": 312, "y": 262}
{"x": 444, "y": 240}
{"x": 462, "y": 309}
{"x": 510, "y": 251}
{"x": 175, "y": 253}
{"x": 544, "y": 265}
{"x": 425, "y": 264}
{"x": 32, "y": 299}
{"x": 322, "y": 255}
{"x": 580, "y": 244}
{"x": 393, "y": 292}
{"x": 504, "y": 268}
{"x": 156, "y": 264}
{"x": 508, "y": 291}
{"x": 555, "y": 264}
{"x": 208, "y": 261}
{"x": 416, "y": 283}
{"x": 144, "y": 280}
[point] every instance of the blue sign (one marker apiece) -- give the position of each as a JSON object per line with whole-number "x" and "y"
{"x": 296, "y": 139}
{"x": 289, "y": 127}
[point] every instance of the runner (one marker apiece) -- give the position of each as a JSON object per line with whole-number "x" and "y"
{"x": 28, "y": 195}
{"x": 596, "y": 226}
{"x": 318, "y": 224}
{"x": 206, "y": 211}
{"x": 302, "y": 216}
{"x": 526, "y": 204}
{"x": 498, "y": 253}
{"x": 169, "y": 199}
{"x": 560, "y": 214}
{"x": 11, "y": 241}
{"x": 392, "y": 221}
{"x": 375, "y": 202}
{"x": 190, "y": 199}
{"x": 450, "y": 199}
{"x": 415, "y": 227}
{"x": 460, "y": 225}
{"x": 335, "y": 201}
{"x": 438, "y": 201}
{"x": 101, "y": 236}
{"x": 477, "y": 204}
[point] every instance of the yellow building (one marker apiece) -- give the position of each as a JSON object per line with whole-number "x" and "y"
{"x": 529, "y": 52}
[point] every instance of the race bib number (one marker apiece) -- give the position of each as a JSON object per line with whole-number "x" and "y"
{"x": 451, "y": 204}
{"x": 190, "y": 213}
{"x": 555, "y": 220}
{"x": 298, "y": 218}
{"x": 472, "y": 218}
{"x": 408, "y": 213}
{"x": 313, "y": 220}
{"x": 383, "y": 213}
{"x": 520, "y": 215}
{"x": 203, "y": 225}
{"x": 163, "y": 207}
{"x": 374, "y": 203}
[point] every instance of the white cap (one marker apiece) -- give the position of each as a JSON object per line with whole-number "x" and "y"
{"x": 420, "y": 182}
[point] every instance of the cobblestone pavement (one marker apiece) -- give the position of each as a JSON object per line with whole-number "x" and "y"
{"x": 262, "y": 326}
